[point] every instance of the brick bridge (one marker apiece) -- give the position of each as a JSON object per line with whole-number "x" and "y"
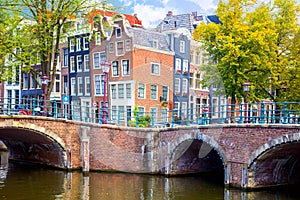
{"x": 249, "y": 155}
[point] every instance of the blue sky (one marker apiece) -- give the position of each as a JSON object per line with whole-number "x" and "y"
{"x": 153, "y": 11}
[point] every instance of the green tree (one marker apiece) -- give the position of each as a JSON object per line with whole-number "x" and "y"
{"x": 42, "y": 26}
{"x": 252, "y": 44}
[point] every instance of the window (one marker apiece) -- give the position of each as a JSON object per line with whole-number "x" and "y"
{"x": 86, "y": 62}
{"x": 184, "y": 109}
{"x": 178, "y": 65}
{"x": 182, "y": 46}
{"x": 31, "y": 81}
{"x": 215, "y": 107}
{"x": 78, "y": 44}
{"x": 192, "y": 57}
{"x": 86, "y": 43}
{"x": 111, "y": 47}
{"x": 118, "y": 32}
{"x": 154, "y": 44}
{"x": 66, "y": 57}
{"x": 99, "y": 57}
{"x": 185, "y": 65}
{"x": 72, "y": 46}
{"x": 57, "y": 86}
{"x": 184, "y": 86}
{"x": 80, "y": 86}
{"x": 153, "y": 113}
{"x": 177, "y": 85}
{"x": 198, "y": 79}
{"x": 153, "y": 91}
{"x": 128, "y": 45}
{"x": 155, "y": 68}
{"x": 98, "y": 38}
{"x": 198, "y": 58}
{"x": 128, "y": 91}
{"x": 114, "y": 112}
{"x": 165, "y": 91}
{"x": 113, "y": 91}
{"x": 79, "y": 63}
{"x": 121, "y": 91}
{"x": 73, "y": 88}
{"x": 141, "y": 111}
{"x": 141, "y": 90}
{"x": 120, "y": 48}
{"x": 122, "y": 112}
{"x": 87, "y": 86}
{"x": 72, "y": 64}
{"x": 99, "y": 84}
{"x": 65, "y": 78}
{"x": 192, "y": 81}
{"x": 115, "y": 68}
{"x": 125, "y": 68}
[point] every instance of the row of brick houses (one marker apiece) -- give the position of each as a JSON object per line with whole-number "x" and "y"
{"x": 153, "y": 70}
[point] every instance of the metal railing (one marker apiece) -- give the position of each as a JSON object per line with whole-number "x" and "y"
{"x": 259, "y": 112}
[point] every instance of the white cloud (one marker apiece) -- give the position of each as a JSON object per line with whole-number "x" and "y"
{"x": 150, "y": 15}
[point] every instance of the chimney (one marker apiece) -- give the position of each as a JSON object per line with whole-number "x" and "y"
{"x": 170, "y": 13}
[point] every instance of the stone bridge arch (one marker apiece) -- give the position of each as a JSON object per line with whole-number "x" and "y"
{"x": 188, "y": 145}
{"x": 276, "y": 162}
{"x": 33, "y": 143}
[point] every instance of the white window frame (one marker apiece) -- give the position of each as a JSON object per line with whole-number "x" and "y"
{"x": 72, "y": 64}
{"x": 154, "y": 93}
{"x": 87, "y": 85}
{"x": 178, "y": 64}
{"x": 182, "y": 46}
{"x": 184, "y": 86}
{"x": 72, "y": 45}
{"x": 121, "y": 91}
{"x": 141, "y": 90}
{"x": 155, "y": 68}
{"x": 85, "y": 43}
{"x": 185, "y": 65}
{"x": 113, "y": 91}
{"x": 73, "y": 86}
{"x": 78, "y": 61}
{"x": 86, "y": 61}
{"x": 117, "y": 50}
{"x": 120, "y": 33}
{"x": 177, "y": 85}
{"x": 115, "y": 68}
{"x": 162, "y": 90}
{"x": 78, "y": 44}
{"x": 80, "y": 86}
{"x": 128, "y": 91}
{"x": 153, "y": 111}
{"x": 128, "y": 66}
{"x": 128, "y": 44}
{"x": 101, "y": 78}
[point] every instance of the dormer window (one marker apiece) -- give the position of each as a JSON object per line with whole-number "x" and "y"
{"x": 154, "y": 44}
{"x": 118, "y": 32}
{"x": 182, "y": 46}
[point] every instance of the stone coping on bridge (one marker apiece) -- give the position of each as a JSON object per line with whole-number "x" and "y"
{"x": 150, "y": 129}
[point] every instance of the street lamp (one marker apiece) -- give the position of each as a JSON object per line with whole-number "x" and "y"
{"x": 105, "y": 66}
{"x": 246, "y": 88}
{"x": 45, "y": 80}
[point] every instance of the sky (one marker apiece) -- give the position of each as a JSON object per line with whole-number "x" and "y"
{"x": 151, "y": 12}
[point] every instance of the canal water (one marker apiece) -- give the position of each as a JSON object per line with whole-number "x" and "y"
{"x": 22, "y": 182}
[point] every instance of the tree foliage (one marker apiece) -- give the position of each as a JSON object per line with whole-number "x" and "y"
{"x": 36, "y": 28}
{"x": 258, "y": 43}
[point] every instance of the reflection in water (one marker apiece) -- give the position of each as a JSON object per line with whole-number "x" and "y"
{"x": 29, "y": 182}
